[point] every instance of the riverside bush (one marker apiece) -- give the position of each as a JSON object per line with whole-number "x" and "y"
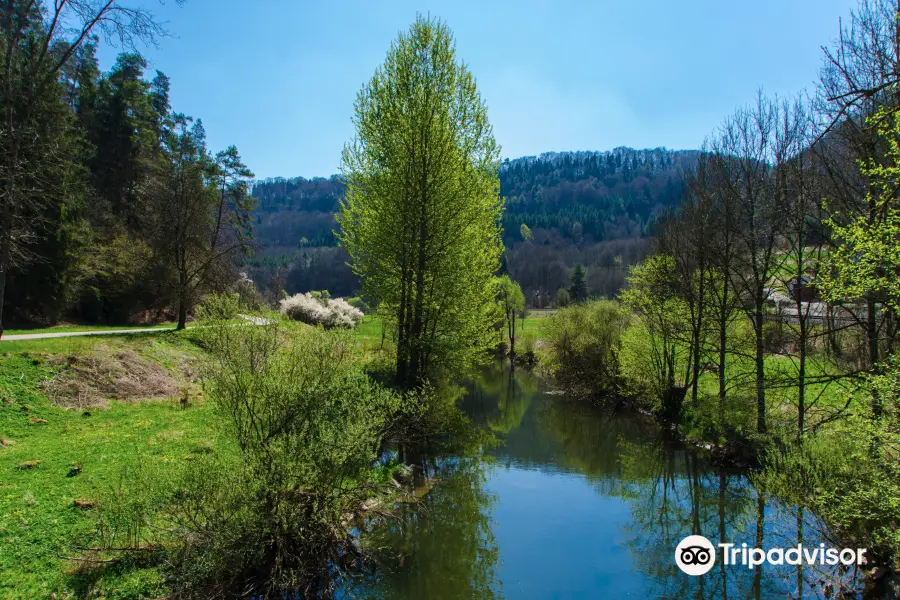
{"x": 301, "y": 427}
{"x": 584, "y": 342}
{"x": 328, "y": 312}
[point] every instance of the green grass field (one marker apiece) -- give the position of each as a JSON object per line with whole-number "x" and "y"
{"x": 40, "y": 526}
{"x": 42, "y": 531}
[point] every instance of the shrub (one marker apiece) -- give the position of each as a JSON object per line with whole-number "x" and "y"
{"x": 327, "y": 312}
{"x": 527, "y": 342}
{"x": 849, "y": 473}
{"x": 321, "y": 295}
{"x": 342, "y": 314}
{"x": 359, "y": 304}
{"x": 267, "y": 511}
{"x": 584, "y": 342}
{"x": 774, "y": 337}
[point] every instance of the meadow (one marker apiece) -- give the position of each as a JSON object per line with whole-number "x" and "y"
{"x": 60, "y": 455}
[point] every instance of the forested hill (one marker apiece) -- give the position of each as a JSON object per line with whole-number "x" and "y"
{"x": 583, "y": 195}
{"x": 599, "y": 195}
{"x": 588, "y": 207}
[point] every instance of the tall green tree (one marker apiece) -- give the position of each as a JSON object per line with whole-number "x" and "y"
{"x": 125, "y": 137}
{"x": 420, "y": 218}
{"x": 526, "y": 234}
{"x": 865, "y": 262}
{"x": 661, "y": 362}
{"x": 124, "y": 117}
{"x": 232, "y": 181}
{"x": 578, "y": 290}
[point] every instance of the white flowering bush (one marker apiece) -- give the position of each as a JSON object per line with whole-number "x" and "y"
{"x": 342, "y": 314}
{"x": 330, "y": 312}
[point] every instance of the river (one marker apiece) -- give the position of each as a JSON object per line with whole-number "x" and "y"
{"x": 576, "y": 502}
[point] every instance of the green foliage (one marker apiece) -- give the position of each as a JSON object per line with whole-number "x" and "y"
{"x": 130, "y": 215}
{"x": 420, "y": 217}
{"x": 321, "y": 295}
{"x": 563, "y": 298}
{"x": 867, "y": 257}
{"x": 705, "y": 422}
{"x": 585, "y": 342}
{"x": 654, "y": 353}
{"x": 248, "y": 294}
{"x": 849, "y": 473}
{"x": 528, "y": 342}
{"x": 200, "y": 219}
{"x": 526, "y": 234}
{"x": 359, "y": 304}
{"x": 307, "y": 424}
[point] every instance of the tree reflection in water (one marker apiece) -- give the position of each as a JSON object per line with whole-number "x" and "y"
{"x": 674, "y": 493}
{"x": 442, "y": 548}
{"x": 577, "y": 502}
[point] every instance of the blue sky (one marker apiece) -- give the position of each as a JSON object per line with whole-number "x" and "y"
{"x": 278, "y": 78}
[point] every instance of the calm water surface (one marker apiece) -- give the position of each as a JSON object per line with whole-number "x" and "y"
{"x": 576, "y": 503}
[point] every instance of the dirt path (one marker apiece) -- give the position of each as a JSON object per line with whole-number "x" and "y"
{"x": 41, "y": 336}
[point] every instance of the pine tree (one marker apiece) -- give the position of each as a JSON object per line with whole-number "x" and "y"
{"x": 578, "y": 289}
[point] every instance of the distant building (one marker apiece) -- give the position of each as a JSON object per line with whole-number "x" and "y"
{"x": 802, "y": 289}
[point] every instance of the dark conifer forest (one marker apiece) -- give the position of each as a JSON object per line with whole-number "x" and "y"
{"x": 127, "y": 216}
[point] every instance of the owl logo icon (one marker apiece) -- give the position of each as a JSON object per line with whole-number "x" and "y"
{"x": 695, "y": 555}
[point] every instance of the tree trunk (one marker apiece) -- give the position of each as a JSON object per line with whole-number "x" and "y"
{"x": 512, "y": 334}
{"x": 4, "y": 268}
{"x": 698, "y": 334}
{"x": 416, "y": 334}
{"x": 402, "y": 352}
{"x": 182, "y": 298}
{"x": 695, "y": 376}
{"x": 872, "y": 335}
{"x": 723, "y": 347}
{"x": 760, "y": 366}
{"x": 182, "y": 314}
{"x": 801, "y": 373}
{"x": 5, "y": 252}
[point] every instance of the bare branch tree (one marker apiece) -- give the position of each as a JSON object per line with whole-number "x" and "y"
{"x": 859, "y": 79}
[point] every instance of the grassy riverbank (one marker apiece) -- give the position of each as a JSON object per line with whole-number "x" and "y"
{"x": 87, "y": 419}
{"x": 62, "y": 450}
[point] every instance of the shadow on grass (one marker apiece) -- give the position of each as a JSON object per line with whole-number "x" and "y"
{"x": 134, "y": 575}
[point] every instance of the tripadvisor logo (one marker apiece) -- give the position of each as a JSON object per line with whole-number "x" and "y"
{"x": 696, "y": 555}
